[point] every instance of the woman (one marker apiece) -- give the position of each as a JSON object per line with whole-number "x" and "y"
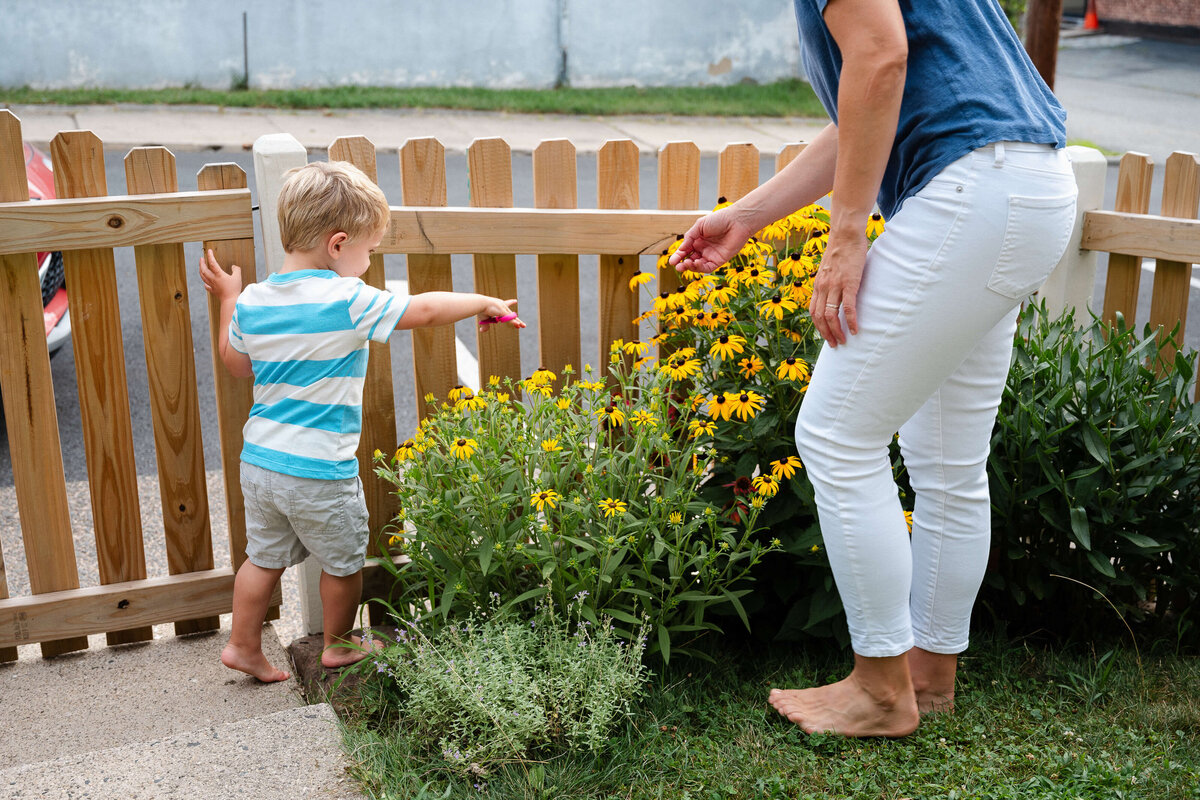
{"x": 940, "y": 118}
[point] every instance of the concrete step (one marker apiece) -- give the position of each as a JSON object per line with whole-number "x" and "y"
{"x": 162, "y": 719}
{"x": 286, "y": 755}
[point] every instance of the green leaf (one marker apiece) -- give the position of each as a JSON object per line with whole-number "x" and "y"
{"x": 1080, "y": 527}
{"x": 664, "y": 643}
{"x": 1142, "y": 541}
{"x": 1094, "y": 442}
{"x": 1101, "y": 564}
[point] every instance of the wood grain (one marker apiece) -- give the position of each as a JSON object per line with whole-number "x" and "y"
{"x": 174, "y": 404}
{"x": 617, "y": 187}
{"x": 100, "y": 373}
{"x": 29, "y": 411}
{"x": 1134, "y": 180}
{"x": 124, "y": 220}
{"x": 489, "y": 164}
{"x": 555, "y": 186}
{"x": 435, "y": 360}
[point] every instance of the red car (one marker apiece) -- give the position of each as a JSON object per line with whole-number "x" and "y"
{"x": 40, "y": 175}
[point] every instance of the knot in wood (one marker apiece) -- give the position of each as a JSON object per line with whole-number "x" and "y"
{"x": 115, "y": 221}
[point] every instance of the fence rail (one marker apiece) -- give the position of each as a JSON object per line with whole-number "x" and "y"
{"x": 155, "y": 218}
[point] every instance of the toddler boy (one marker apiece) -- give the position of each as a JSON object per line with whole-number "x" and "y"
{"x": 303, "y": 334}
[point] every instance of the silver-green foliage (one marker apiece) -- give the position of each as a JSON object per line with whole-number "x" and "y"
{"x": 492, "y": 689}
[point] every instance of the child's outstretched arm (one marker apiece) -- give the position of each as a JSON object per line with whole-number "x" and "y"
{"x": 225, "y": 287}
{"x": 443, "y": 308}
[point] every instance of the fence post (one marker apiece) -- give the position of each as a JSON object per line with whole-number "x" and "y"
{"x": 1073, "y": 281}
{"x": 274, "y": 155}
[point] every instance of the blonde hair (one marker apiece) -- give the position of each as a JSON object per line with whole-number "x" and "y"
{"x": 322, "y": 198}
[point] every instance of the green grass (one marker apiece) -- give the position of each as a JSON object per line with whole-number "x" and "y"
{"x": 1028, "y": 724}
{"x": 785, "y": 98}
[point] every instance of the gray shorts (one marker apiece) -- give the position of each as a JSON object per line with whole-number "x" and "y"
{"x": 288, "y": 517}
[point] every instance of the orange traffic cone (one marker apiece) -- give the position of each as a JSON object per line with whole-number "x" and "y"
{"x": 1090, "y": 21}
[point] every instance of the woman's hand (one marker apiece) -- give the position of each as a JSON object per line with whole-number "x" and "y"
{"x": 711, "y": 242}
{"x": 836, "y": 286}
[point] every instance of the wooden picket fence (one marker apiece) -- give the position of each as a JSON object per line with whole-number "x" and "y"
{"x": 155, "y": 218}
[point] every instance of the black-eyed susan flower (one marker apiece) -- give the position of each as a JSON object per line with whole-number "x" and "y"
{"x": 763, "y": 277}
{"x": 751, "y": 366}
{"x": 493, "y": 381}
{"x": 776, "y": 306}
{"x": 635, "y": 348}
{"x": 701, "y": 427}
{"x": 643, "y": 418}
{"x": 378, "y": 454}
{"x": 800, "y": 292}
{"x": 562, "y": 404}
{"x": 757, "y": 503}
{"x": 612, "y": 416}
{"x": 722, "y": 201}
{"x": 874, "y": 225}
{"x": 766, "y": 485}
{"x": 816, "y": 245}
{"x": 405, "y": 451}
{"x": 463, "y": 447}
{"x": 639, "y": 279}
{"x": 727, "y": 346}
{"x": 722, "y": 293}
{"x": 458, "y": 393}
{"x": 612, "y": 507}
{"x": 786, "y": 467}
{"x": 472, "y": 403}
{"x": 551, "y": 446}
{"x": 793, "y": 369}
{"x": 720, "y": 405}
{"x": 746, "y": 404}
{"x": 908, "y": 520}
{"x": 543, "y": 376}
{"x": 546, "y": 497}
{"x": 776, "y": 231}
{"x": 675, "y": 518}
{"x": 791, "y": 266}
{"x": 680, "y": 369}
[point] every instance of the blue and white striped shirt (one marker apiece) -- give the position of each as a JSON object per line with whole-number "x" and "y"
{"x": 307, "y": 334}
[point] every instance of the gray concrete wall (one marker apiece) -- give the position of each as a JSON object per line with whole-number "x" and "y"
{"x": 308, "y": 43}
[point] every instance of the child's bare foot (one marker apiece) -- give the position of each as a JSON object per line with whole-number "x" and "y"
{"x": 255, "y": 664}
{"x": 338, "y": 655}
{"x": 847, "y": 708}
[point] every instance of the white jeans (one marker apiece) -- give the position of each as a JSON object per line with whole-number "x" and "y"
{"x": 937, "y": 313}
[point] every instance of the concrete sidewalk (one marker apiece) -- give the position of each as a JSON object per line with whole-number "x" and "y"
{"x": 212, "y": 128}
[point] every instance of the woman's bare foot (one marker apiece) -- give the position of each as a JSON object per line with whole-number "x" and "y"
{"x": 338, "y": 655}
{"x": 933, "y": 677}
{"x": 254, "y": 663}
{"x": 876, "y": 699}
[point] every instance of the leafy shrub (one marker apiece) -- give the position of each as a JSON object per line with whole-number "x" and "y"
{"x": 749, "y": 328}
{"x": 1095, "y": 476}
{"x": 491, "y": 689}
{"x": 590, "y": 494}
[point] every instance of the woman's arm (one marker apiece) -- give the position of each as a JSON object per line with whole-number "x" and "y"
{"x": 717, "y": 237}
{"x": 874, "y": 47}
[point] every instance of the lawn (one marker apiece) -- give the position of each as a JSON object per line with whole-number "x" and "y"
{"x": 785, "y": 98}
{"x": 1031, "y": 722}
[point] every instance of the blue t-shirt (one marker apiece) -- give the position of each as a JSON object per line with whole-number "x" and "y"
{"x": 306, "y": 333}
{"x": 969, "y": 83}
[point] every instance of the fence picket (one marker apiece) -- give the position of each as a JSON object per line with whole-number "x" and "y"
{"x": 1121, "y": 286}
{"x": 678, "y": 190}
{"x": 617, "y": 187}
{"x": 235, "y": 396}
{"x": 379, "y": 400}
{"x": 30, "y": 416}
{"x": 737, "y": 171}
{"x": 555, "y": 185}
{"x": 100, "y": 373}
{"x": 435, "y": 360}
{"x": 489, "y": 165}
{"x": 1172, "y": 279}
{"x": 788, "y": 153}
{"x": 174, "y": 404}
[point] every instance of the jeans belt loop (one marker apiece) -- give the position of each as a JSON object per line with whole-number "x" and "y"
{"x": 999, "y": 162}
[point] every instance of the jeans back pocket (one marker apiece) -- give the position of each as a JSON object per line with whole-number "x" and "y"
{"x": 1036, "y": 234}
